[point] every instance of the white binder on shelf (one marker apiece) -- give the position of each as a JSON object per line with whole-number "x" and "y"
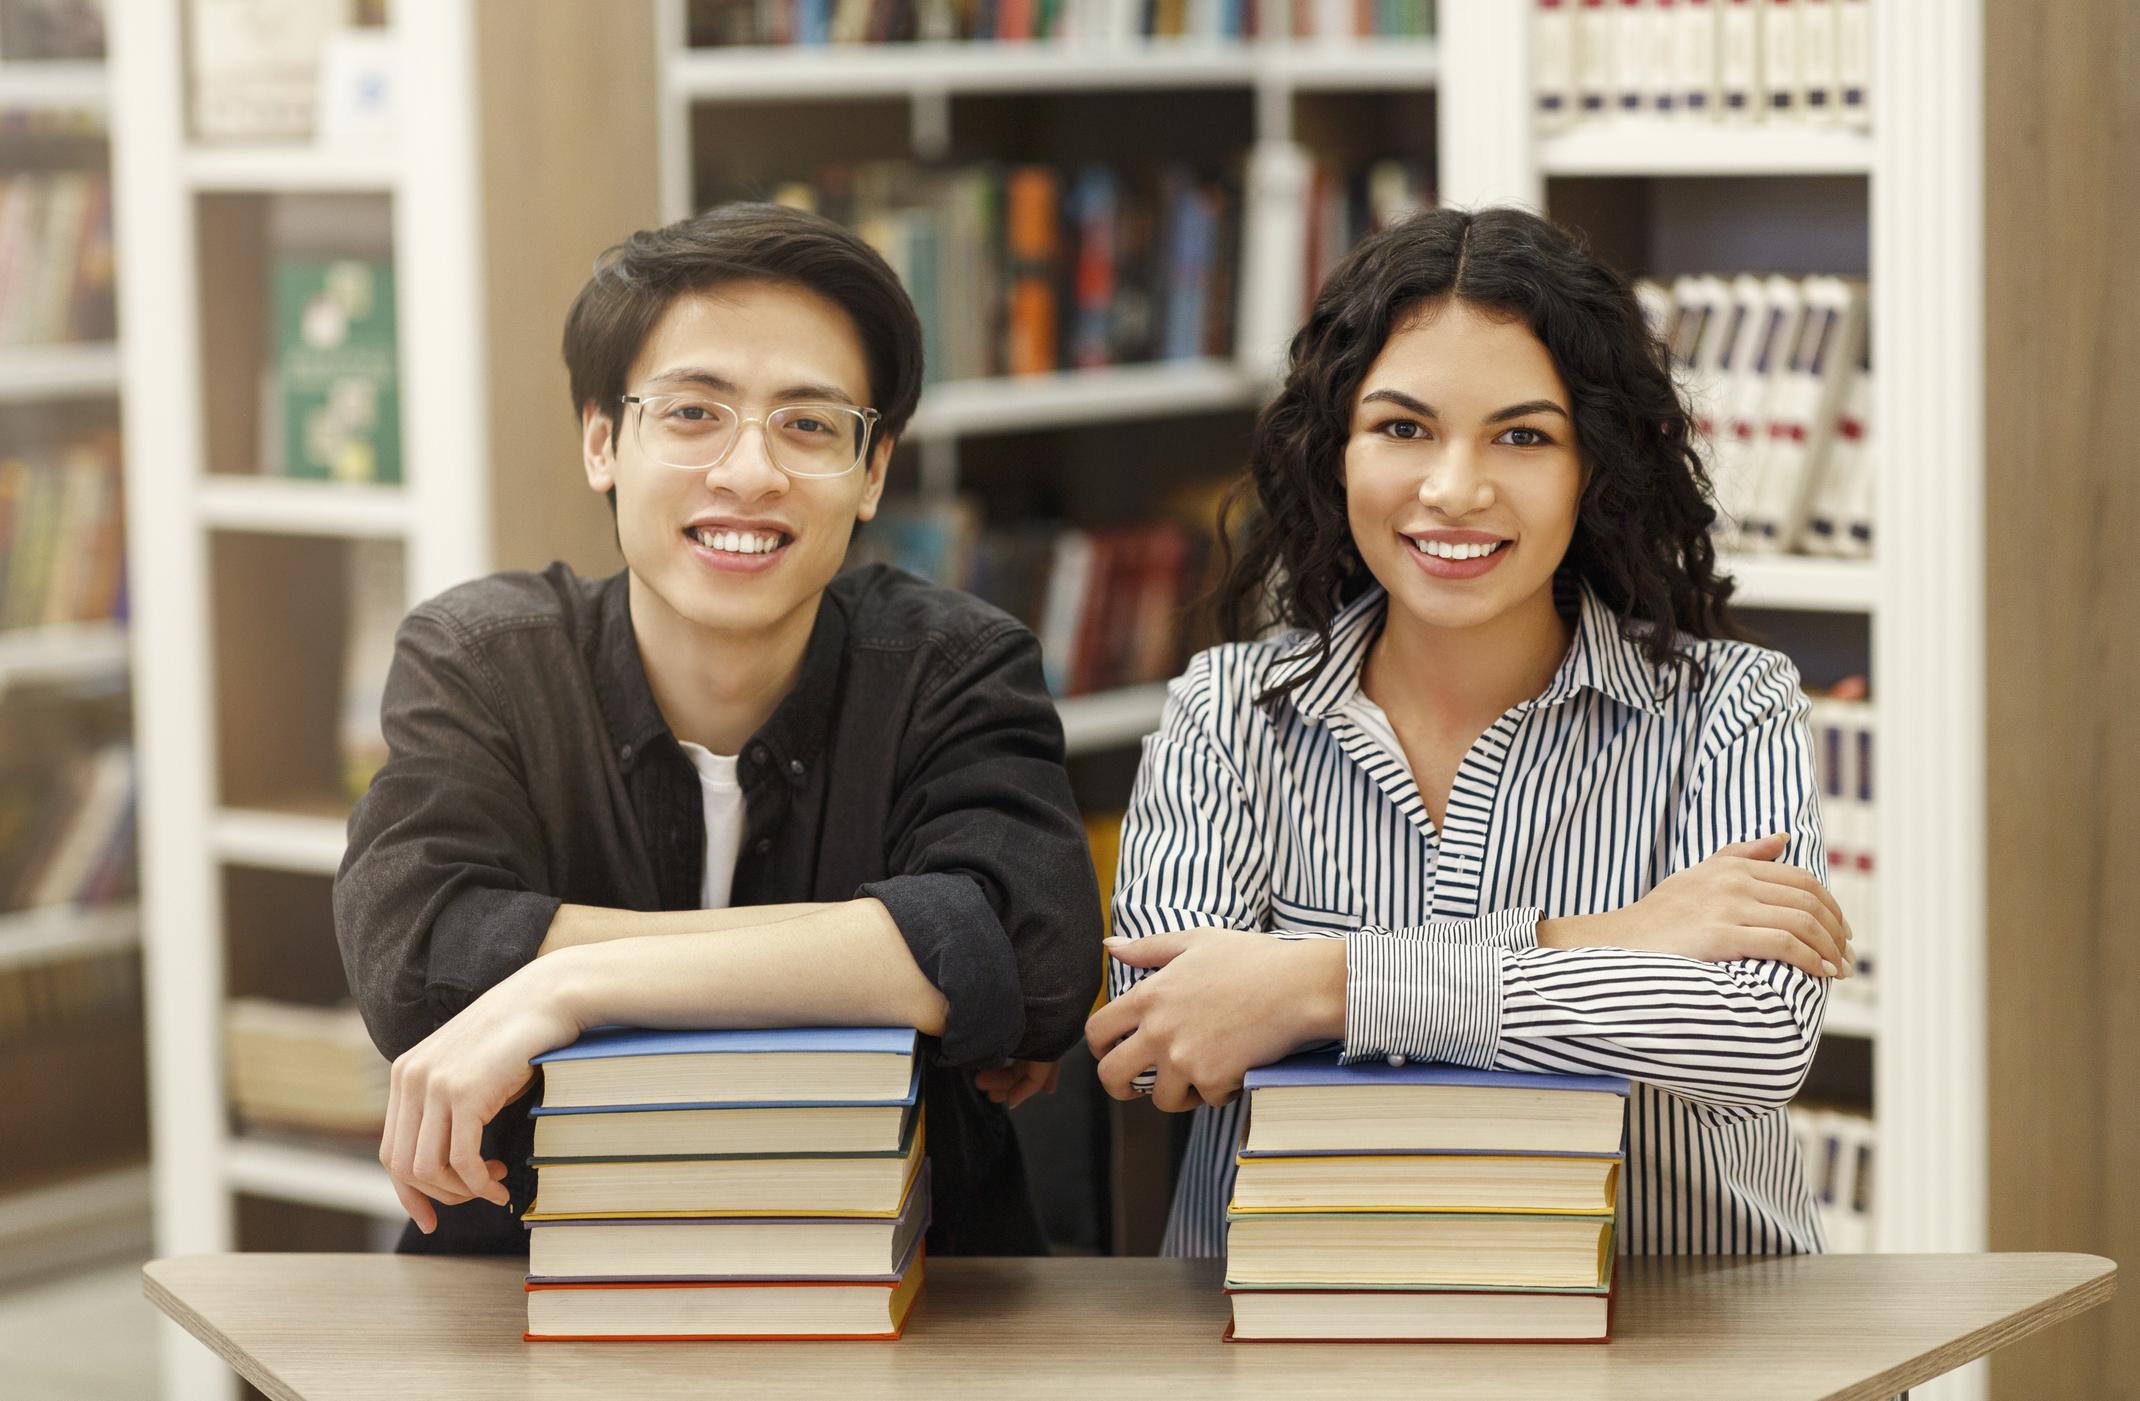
{"x": 1809, "y": 400}
{"x": 1694, "y": 55}
{"x": 1817, "y": 73}
{"x": 1667, "y": 92}
{"x": 1853, "y": 62}
{"x": 1836, "y": 496}
{"x": 1704, "y": 324}
{"x": 1780, "y": 75}
{"x": 1593, "y": 59}
{"x": 1630, "y": 57}
{"x": 1739, "y": 34}
{"x": 1553, "y": 63}
{"x": 1658, "y": 309}
{"x": 1774, "y": 307}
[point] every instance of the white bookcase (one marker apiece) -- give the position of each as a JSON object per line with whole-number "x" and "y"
{"x": 106, "y": 1210}
{"x": 1924, "y": 596}
{"x": 502, "y": 184}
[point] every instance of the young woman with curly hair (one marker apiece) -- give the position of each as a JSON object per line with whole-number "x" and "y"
{"x": 1507, "y": 776}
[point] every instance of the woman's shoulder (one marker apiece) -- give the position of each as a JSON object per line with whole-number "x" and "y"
{"x": 1733, "y": 685}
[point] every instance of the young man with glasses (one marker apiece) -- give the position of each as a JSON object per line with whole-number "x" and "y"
{"x": 731, "y": 785}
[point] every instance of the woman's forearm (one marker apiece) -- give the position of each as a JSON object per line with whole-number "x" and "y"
{"x": 839, "y": 964}
{"x": 575, "y": 925}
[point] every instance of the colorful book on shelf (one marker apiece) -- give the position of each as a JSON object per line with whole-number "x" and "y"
{"x": 710, "y": 1248}
{"x": 1309, "y": 1103}
{"x": 737, "y": 1311}
{"x": 335, "y": 360}
{"x": 624, "y": 1066}
{"x": 731, "y": 1184}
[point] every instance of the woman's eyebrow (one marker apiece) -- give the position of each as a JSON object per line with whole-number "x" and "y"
{"x": 1529, "y": 406}
{"x": 1402, "y": 399}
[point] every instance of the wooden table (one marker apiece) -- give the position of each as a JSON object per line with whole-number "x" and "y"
{"x": 326, "y": 1326}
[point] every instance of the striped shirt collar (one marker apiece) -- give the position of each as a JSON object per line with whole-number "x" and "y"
{"x": 1599, "y": 658}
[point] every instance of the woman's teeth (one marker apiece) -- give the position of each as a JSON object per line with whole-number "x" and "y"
{"x": 1440, "y": 550}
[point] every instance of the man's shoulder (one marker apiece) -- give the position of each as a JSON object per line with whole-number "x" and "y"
{"x": 888, "y": 609}
{"x": 516, "y": 600}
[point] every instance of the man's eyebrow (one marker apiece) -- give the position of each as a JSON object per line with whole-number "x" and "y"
{"x": 707, "y": 379}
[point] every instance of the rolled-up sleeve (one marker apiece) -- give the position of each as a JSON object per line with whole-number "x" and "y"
{"x": 441, "y": 890}
{"x": 992, "y": 884}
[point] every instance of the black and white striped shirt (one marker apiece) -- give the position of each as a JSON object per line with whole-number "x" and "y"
{"x": 1303, "y": 816}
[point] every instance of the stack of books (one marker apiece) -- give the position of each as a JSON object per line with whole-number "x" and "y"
{"x": 727, "y": 1184}
{"x": 1424, "y": 1203}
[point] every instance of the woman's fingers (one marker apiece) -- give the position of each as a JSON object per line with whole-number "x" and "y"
{"x": 1121, "y": 1066}
{"x": 1800, "y": 915}
{"x": 1780, "y": 947}
{"x": 1804, "y": 881}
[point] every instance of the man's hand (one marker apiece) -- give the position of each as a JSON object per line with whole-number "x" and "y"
{"x": 447, "y": 1087}
{"x": 1741, "y": 903}
{"x": 1220, "y": 1003}
{"x": 1012, "y": 1085}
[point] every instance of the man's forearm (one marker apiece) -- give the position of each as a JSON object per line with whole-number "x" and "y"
{"x": 575, "y": 925}
{"x": 839, "y": 965}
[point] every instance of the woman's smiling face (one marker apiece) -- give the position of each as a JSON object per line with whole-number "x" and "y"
{"x": 1462, "y": 476}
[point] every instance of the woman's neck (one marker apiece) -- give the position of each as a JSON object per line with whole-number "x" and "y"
{"x": 1466, "y": 678}
{"x": 717, "y": 688}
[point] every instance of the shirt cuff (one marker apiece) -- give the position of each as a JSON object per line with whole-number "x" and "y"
{"x": 1514, "y": 929}
{"x": 479, "y": 940}
{"x": 959, "y": 945}
{"x": 1423, "y": 999}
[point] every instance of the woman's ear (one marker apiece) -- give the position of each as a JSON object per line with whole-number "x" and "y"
{"x": 598, "y": 447}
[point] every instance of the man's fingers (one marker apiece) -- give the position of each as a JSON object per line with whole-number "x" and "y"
{"x": 469, "y": 1169}
{"x": 429, "y": 1171}
{"x": 417, "y": 1205}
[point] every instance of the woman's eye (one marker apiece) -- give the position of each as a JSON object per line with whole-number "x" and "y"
{"x": 1530, "y": 438}
{"x": 1404, "y": 430}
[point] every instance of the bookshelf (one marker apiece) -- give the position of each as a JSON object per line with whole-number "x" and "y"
{"x": 501, "y": 186}
{"x": 74, "y": 1193}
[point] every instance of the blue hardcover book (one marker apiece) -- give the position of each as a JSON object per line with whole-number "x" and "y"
{"x": 1310, "y": 1104}
{"x": 624, "y": 1067}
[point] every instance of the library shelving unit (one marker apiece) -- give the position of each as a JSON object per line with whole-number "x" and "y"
{"x": 1992, "y": 209}
{"x": 509, "y": 171}
{"x": 99, "y": 1211}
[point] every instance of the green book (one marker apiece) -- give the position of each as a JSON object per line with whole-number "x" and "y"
{"x": 334, "y": 356}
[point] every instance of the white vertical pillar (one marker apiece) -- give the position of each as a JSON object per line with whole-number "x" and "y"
{"x": 1928, "y": 645}
{"x": 1488, "y": 151}
{"x": 174, "y": 723}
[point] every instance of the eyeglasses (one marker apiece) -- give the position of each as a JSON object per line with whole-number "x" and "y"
{"x": 803, "y": 440}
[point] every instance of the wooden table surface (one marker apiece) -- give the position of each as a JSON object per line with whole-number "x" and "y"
{"x": 382, "y": 1326}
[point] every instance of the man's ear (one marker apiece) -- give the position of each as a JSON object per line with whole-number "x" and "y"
{"x": 598, "y": 447}
{"x": 880, "y": 468}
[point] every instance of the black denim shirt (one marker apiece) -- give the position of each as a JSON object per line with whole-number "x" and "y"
{"x": 918, "y": 760}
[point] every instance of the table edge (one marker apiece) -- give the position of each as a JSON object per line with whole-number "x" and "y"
{"x": 2092, "y": 1292}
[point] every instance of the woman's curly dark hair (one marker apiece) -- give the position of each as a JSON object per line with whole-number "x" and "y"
{"x": 1642, "y": 527}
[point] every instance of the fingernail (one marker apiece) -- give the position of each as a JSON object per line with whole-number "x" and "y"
{"x": 1827, "y": 967}
{"x": 1115, "y": 943}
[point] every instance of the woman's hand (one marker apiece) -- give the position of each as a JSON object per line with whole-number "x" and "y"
{"x": 1220, "y": 1003}
{"x": 1012, "y": 1085}
{"x": 448, "y": 1086}
{"x": 1741, "y": 903}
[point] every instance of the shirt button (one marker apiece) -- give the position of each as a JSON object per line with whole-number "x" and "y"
{"x": 764, "y": 845}
{"x": 1396, "y": 1062}
{"x": 757, "y": 755}
{"x": 625, "y": 752}
{"x": 795, "y": 768}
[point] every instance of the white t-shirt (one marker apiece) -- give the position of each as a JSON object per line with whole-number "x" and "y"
{"x": 723, "y": 798}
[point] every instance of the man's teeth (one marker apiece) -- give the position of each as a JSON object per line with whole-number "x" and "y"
{"x": 1440, "y": 550}
{"x": 738, "y": 542}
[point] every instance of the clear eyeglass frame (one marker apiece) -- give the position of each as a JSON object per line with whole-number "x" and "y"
{"x": 859, "y": 423}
